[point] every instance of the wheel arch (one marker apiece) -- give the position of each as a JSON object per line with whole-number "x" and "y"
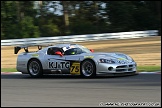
{"x": 38, "y": 73}
{"x": 94, "y": 71}
{"x": 90, "y": 60}
{"x": 34, "y": 59}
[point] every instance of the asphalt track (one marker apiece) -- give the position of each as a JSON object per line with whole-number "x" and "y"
{"x": 19, "y": 90}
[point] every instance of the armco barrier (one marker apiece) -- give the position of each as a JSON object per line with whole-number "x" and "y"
{"x": 79, "y": 38}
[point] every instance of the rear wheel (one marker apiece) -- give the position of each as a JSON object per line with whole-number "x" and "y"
{"x": 88, "y": 68}
{"x": 35, "y": 68}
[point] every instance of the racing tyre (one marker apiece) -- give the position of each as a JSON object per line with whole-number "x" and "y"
{"x": 88, "y": 69}
{"x": 35, "y": 68}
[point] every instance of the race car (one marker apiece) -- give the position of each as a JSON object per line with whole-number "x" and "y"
{"x": 72, "y": 59}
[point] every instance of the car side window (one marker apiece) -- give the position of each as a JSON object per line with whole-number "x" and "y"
{"x": 53, "y": 50}
{"x": 73, "y": 51}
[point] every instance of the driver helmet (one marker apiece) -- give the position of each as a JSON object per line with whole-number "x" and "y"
{"x": 67, "y": 48}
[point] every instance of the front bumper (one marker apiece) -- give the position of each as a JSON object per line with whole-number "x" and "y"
{"x": 105, "y": 68}
{"x": 118, "y": 74}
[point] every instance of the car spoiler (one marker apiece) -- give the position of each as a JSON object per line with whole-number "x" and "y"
{"x": 18, "y": 48}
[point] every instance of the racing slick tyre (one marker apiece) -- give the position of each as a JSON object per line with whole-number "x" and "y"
{"x": 35, "y": 68}
{"x": 88, "y": 69}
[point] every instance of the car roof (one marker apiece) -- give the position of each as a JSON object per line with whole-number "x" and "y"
{"x": 62, "y": 45}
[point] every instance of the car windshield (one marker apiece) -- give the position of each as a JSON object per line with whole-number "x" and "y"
{"x": 76, "y": 49}
{"x": 84, "y": 49}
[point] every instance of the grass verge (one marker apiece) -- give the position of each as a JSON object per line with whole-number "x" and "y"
{"x": 8, "y": 70}
{"x": 139, "y": 69}
{"x": 148, "y": 68}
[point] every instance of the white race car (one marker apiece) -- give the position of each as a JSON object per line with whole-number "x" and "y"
{"x": 72, "y": 59}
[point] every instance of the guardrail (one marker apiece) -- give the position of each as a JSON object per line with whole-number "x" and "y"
{"x": 79, "y": 38}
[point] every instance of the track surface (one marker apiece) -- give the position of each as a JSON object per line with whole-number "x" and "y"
{"x": 19, "y": 90}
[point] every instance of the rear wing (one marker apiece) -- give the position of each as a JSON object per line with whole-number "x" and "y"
{"x": 18, "y": 48}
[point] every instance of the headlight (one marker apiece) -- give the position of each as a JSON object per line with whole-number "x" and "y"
{"x": 107, "y": 61}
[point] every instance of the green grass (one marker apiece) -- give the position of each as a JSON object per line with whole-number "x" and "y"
{"x": 148, "y": 68}
{"x": 139, "y": 69}
{"x": 8, "y": 70}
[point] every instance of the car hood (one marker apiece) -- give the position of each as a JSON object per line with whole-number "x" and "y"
{"x": 112, "y": 55}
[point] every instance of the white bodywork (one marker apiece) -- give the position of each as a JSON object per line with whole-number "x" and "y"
{"x": 122, "y": 63}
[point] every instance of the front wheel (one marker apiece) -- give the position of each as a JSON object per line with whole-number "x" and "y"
{"x": 88, "y": 68}
{"x": 35, "y": 68}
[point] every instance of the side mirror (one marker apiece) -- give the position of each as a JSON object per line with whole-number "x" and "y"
{"x": 58, "y": 53}
{"x": 91, "y": 50}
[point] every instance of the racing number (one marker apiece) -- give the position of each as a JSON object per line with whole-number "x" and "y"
{"x": 75, "y": 68}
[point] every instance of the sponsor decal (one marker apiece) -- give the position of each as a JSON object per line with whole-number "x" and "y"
{"x": 75, "y": 68}
{"x": 88, "y": 56}
{"x": 35, "y": 55}
{"x": 121, "y": 59}
{"x": 124, "y": 61}
{"x": 59, "y": 65}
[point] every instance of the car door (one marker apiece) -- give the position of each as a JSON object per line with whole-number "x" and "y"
{"x": 56, "y": 62}
{"x": 73, "y": 55}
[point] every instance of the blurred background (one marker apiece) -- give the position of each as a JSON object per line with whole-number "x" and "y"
{"x": 48, "y": 21}
{"x": 30, "y": 19}
{"x": 54, "y": 19}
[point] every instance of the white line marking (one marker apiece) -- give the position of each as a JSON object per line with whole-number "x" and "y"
{"x": 157, "y": 72}
{"x": 11, "y": 73}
